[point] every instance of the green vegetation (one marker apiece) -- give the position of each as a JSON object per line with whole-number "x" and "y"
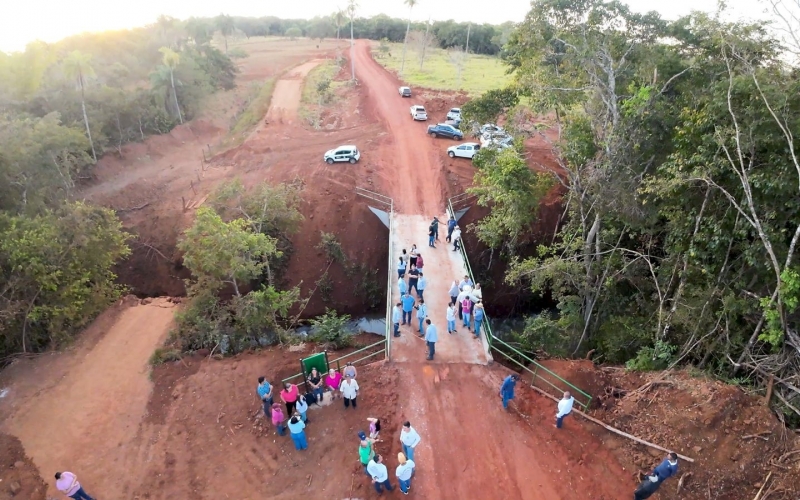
{"x": 680, "y": 179}
{"x": 236, "y": 242}
{"x": 330, "y": 329}
{"x": 319, "y": 90}
{"x": 447, "y": 69}
{"x": 254, "y": 112}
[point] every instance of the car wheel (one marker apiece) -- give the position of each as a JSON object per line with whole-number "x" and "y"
{"x": 433, "y": 134}
{"x": 329, "y": 161}
{"x": 352, "y": 160}
{"x": 451, "y": 154}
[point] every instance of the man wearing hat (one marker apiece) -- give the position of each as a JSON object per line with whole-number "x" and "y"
{"x": 365, "y": 451}
{"x": 404, "y": 472}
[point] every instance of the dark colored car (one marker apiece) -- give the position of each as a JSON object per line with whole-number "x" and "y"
{"x": 445, "y": 130}
{"x": 404, "y": 91}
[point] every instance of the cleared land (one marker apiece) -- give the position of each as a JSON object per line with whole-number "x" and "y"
{"x": 440, "y": 72}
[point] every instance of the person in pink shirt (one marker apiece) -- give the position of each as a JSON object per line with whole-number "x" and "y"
{"x": 289, "y": 396}
{"x": 333, "y": 380}
{"x": 67, "y": 482}
{"x": 278, "y": 418}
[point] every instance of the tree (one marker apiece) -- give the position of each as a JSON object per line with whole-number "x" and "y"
{"x": 77, "y": 67}
{"x": 457, "y": 59}
{"x": 199, "y": 30}
{"x": 225, "y": 252}
{"x": 338, "y": 19}
{"x": 411, "y": 4}
{"x": 294, "y": 32}
{"x": 352, "y": 6}
{"x": 226, "y": 27}
{"x": 171, "y": 59}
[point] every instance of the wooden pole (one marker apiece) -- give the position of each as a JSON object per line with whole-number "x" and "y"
{"x": 613, "y": 429}
{"x": 769, "y": 389}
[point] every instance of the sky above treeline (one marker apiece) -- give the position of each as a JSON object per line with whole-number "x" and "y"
{"x": 22, "y": 21}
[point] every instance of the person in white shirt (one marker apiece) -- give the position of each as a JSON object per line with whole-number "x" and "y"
{"x": 422, "y": 313}
{"x": 379, "y": 474}
{"x": 451, "y": 317}
{"x": 349, "y": 390}
{"x": 404, "y": 472}
{"x": 564, "y": 408}
{"x": 67, "y": 483}
{"x": 454, "y": 291}
{"x": 409, "y": 439}
{"x": 456, "y": 238}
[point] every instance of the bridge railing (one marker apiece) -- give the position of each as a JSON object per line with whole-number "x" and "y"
{"x": 539, "y": 373}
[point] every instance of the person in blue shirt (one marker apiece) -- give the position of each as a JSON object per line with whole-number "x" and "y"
{"x": 401, "y": 285}
{"x": 421, "y": 284}
{"x": 296, "y": 426}
{"x": 451, "y": 224}
{"x": 507, "y": 389}
{"x": 431, "y": 338}
{"x": 265, "y": 393}
{"x": 401, "y": 268}
{"x": 422, "y": 313}
{"x": 651, "y": 483}
{"x": 408, "y": 307}
{"x": 479, "y": 314}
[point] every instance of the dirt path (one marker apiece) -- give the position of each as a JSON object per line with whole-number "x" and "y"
{"x": 86, "y": 417}
{"x": 411, "y": 161}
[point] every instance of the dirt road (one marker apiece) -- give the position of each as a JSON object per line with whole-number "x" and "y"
{"x": 411, "y": 161}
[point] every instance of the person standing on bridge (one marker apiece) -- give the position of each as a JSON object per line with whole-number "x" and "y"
{"x": 462, "y": 296}
{"x": 413, "y": 277}
{"x": 413, "y": 260}
{"x": 408, "y": 307}
{"x": 431, "y": 236}
{"x": 507, "y": 389}
{"x": 421, "y": 284}
{"x": 651, "y": 483}
{"x": 465, "y": 305}
{"x": 431, "y": 338}
{"x": 478, "y": 314}
{"x": 465, "y": 282}
{"x": 401, "y": 285}
{"x": 67, "y": 483}
{"x": 451, "y": 317}
{"x": 401, "y": 268}
{"x": 409, "y": 439}
{"x": 396, "y": 319}
{"x": 454, "y": 291}
{"x": 422, "y": 314}
{"x": 456, "y": 238}
{"x": 435, "y": 226}
{"x": 564, "y": 408}
{"x": 451, "y": 224}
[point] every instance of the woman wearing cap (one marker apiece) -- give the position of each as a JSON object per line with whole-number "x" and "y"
{"x": 404, "y": 472}
{"x": 333, "y": 380}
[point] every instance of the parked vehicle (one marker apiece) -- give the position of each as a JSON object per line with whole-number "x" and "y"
{"x": 418, "y": 112}
{"x": 466, "y": 150}
{"x": 456, "y": 123}
{"x": 404, "y": 91}
{"x": 491, "y": 128}
{"x": 347, "y": 153}
{"x": 445, "y": 130}
{"x": 454, "y": 114}
{"x": 499, "y": 141}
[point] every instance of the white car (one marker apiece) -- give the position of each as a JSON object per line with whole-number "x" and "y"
{"x": 466, "y": 150}
{"x": 348, "y": 153}
{"x": 454, "y": 114}
{"x": 498, "y": 141}
{"x": 491, "y": 128}
{"x": 418, "y": 112}
{"x": 404, "y": 91}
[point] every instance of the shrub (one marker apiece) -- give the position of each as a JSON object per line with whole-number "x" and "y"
{"x": 330, "y": 329}
{"x": 163, "y": 355}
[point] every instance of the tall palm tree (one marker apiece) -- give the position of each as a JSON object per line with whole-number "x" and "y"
{"x": 338, "y": 17}
{"x": 226, "y": 26}
{"x": 171, "y": 59}
{"x": 411, "y": 4}
{"x": 352, "y": 5}
{"x": 78, "y": 67}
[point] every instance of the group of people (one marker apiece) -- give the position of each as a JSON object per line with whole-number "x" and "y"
{"x": 374, "y": 466}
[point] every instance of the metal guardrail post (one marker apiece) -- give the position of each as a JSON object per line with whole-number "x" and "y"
{"x": 389, "y": 285}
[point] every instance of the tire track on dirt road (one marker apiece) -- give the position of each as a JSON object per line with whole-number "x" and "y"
{"x": 415, "y": 178}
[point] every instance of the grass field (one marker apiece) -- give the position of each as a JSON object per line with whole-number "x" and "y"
{"x": 479, "y": 73}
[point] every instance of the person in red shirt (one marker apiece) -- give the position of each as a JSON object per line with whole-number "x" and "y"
{"x": 333, "y": 380}
{"x": 289, "y": 396}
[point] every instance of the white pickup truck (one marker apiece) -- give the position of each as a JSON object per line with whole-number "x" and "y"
{"x": 418, "y": 113}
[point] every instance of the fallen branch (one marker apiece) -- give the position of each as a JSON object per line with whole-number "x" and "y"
{"x": 759, "y": 435}
{"x": 614, "y": 429}
{"x": 769, "y": 389}
{"x": 132, "y": 208}
{"x": 310, "y": 477}
{"x": 758, "y": 495}
{"x": 683, "y": 479}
